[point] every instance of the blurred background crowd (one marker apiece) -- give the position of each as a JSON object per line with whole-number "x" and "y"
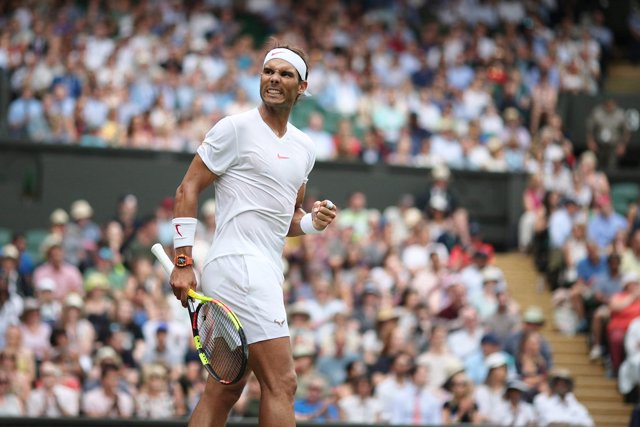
{"x": 471, "y": 84}
{"x": 397, "y": 316}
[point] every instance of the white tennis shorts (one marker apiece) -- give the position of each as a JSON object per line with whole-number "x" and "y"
{"x": 252, "y": 288}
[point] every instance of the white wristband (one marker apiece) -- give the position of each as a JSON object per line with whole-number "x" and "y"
{"x": 306, "y": 224}
{"x": 184, "y": 231}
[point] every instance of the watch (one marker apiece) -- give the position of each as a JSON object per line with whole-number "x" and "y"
{"x": 183, "y": 261}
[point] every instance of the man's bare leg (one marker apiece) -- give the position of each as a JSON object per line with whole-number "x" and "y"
{"x": 272, "y": 363}
{"x": 216, "y": 402}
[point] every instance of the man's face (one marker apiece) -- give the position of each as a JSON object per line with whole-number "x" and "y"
{"x": 280, "y": 85}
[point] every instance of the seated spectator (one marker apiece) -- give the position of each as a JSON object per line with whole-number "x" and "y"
{"x": 360, "y": 406}
{"x": 437, "y": 357}
{"x": 304, "y": 363}
{"x": 106, "y": 400}
{"x": 10, "y": 404}
{"x": 489, "y": 394}
{"x": 560, "y": 406}
{"x": 333, "y": 366}
{"x": 315, "y": 406}
{"x": 588, "y": 269}
{"x": 395, "y": 383}
{"x": 476, "y": 365}
{"x": 506, "y": 320}
{"x": 66, "y": 276}
{"x": 325, "y": 149}
{"x": 35, "y": 333}
{"x": 533, "y": 320}
{"x": 162, "y": 352}
{"x": 629, "y": 372}
{"x": 417, "y": 405}
{"x": 155, "y": 400}
{"x": 605, "y": 223}
{"x": 52, "y": 399}
{"x": 9, "y": 265}
{"x": 50, "y": 308}
{"x": 631, "y": 256}
{"x": 466, "y": 341}
{"x": 514, "y": 410}
{"x": 530, "y": 363}
{"x": 461, "y": 407}
{"x": 23, "y": 357}
{"x": 625, "y": 307}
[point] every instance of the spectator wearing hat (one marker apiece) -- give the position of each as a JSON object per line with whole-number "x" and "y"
{"x": 624, "y": 307}
{"x": 155, "y": 400}
{"x": 476, "y": 365}
{"x": 533, "y": 320}
{"x": 52, "y": 399}
{"x": 488, "y": 395}
{"x": 513, "y": 129}
{"x": 300, "y": 327}
{"x": 79, "y": 330}
{"x": 35, "y": 333}
{"x": 440, "y": 188}
{"x": 98, "y": 305}
{"x": 461, "y": 407}
{"x": 472, "y": 275}
{"x": 360, "y": 406}
{"x": 50, "y": 308}
{"x": 560, "y": 406}
{"x": 82, "y": 234}
{"x": 316, "y": 406}
{"x": 558, "y": 176}
{"x": 163, "y": 352}
{"x": 107, "y": 400}
{"x": 605, "y": 224}
{"x": 66, "y": 276}
{"x": 486, "y": 302}
{"x": 9, "y": 263}
{"x": 417, "y": 405}
{"x": 304, "y": 363}
{"x": 104, "y": 262}
{"x": 514, "y": 410}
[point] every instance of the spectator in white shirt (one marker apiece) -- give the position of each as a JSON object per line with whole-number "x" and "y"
{"x": 513, "y": 410}
{"x": 488, "y": 396}
{"x": 466, "y": 341}
{"x": 361, "y": 406}
{"x": 107, "y": 401}
{"x": 52, "y": 399}
{"x": 561, "y": 406}
{"x": 396, "y": 382}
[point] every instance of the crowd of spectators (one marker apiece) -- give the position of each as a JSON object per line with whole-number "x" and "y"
{"x": 468, "y": 83}
{"x": 395, "y": 318}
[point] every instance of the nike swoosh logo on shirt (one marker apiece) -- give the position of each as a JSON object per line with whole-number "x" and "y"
{"x": 281, "y": 157}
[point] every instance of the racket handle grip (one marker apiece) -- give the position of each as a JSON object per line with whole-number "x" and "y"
{"x": 162, "y": 256}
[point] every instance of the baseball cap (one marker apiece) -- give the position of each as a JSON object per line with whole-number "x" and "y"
{"x": 533, "y": 314}
{"x": 495, "y": 360}
{"x": 490, "y": 338}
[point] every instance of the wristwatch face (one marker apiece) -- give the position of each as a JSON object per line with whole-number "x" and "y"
{"x": 182, "y": 261}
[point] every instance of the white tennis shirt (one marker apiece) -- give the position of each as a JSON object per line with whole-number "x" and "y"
{"x": 259, "y": 178}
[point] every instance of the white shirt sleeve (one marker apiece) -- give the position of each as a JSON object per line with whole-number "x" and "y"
{"x": 219, "y": 150}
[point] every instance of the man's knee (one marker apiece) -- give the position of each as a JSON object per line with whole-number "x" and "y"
{"x": 283, "y": 385}
{"x": 226, "y": 394}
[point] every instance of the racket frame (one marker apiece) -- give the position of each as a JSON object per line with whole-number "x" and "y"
{"x": 204, "y": 359}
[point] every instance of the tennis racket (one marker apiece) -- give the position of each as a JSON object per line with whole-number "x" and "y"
{"x": 217, "y": 332}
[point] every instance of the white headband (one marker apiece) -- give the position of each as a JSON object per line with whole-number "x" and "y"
{"x": 292, "y": 58}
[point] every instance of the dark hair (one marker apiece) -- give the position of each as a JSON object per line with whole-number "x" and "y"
{"x": 274, "y": 43}
{"x": 108, "y": 367}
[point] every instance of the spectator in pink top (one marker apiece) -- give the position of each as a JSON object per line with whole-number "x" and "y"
{"x": 66, "y": 276}
{"x": 35, "y": 332}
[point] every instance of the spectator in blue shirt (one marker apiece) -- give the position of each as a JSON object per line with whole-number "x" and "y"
{"x": 605, "y": 224}
{"x": 592, "y": 265}
{"x": 589, "y": 269}
{"x": 315, "y": 406}
{"x": 22, "y": 112}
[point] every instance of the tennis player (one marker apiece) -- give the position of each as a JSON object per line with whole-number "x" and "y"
{"x": 259, "y": 163}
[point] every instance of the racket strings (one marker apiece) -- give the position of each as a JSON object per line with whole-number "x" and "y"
{"x": 221, "y": 341}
